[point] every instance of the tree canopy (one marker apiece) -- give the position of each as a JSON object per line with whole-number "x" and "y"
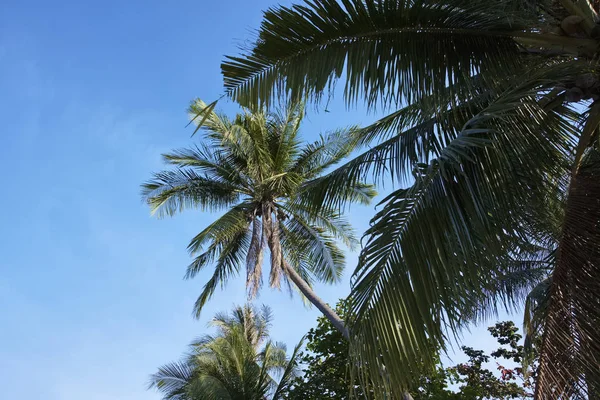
{"x": 326, "y": 374}
{"x": 239, "y": 362}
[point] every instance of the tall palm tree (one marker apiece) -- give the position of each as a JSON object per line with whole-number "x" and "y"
{"x": 495, "y": 140}
{"x": 256, "y": 167}
{"x": 238, "y": 363}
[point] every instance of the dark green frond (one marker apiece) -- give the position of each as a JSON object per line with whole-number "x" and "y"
{"x": 417, "y": 48}
{"x": 219, "y": 235}
{"x": 511, "y": 286}
{"x": 435, "y": 244}
{"x": 535, "y": 312}
{"x": 328, "y": 193}
{"x": 219, "y": 164}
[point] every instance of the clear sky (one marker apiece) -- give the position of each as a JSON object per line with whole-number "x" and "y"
{"x": 91, "y": 93}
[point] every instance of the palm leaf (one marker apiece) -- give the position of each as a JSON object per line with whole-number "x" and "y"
{"x": 327, "y": 151}
{"x": 223, "y": 164}
{"x": 321, "y": 252}
{"x": 172, "y": 379}
{"x": 380, "y": 45}
{"x": 173, "y": 191}
{"x": 328, "y": 219}
{"x": 439, "y": 242}
{"x": 228, "y": 264}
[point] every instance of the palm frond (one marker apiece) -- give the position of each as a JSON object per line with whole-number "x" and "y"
{"x": 253, "y": 322}
{"x": 415, "y": 47}
{"x": 419, "y": 132}
{"x": 511, "y": 286}
{"x": 224, "y": 228}
{"x": 274, "y": 356}
{"x": 444, "y": 238}
{"x": 173, "y": 191}
{"x": 219, "y": 164}
{"x": 290, "y": 244}
{"x": 325, "y": 192}
{"x": 321, "y": 252}
{"x": 534, "y": 315}
{"x": 172, "y": 379}
{"x": 283, "y": 133}
{"x": 218, "y": 234}
{"x": 208, "y": 387}
{"x": 327, "y": 151}
{"x": 329, "y": 219}
{"x": 228, "y": 264}
{"x": 214, "y": 123}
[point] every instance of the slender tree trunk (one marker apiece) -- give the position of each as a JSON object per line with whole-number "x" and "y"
{"x": 307, "y": 291}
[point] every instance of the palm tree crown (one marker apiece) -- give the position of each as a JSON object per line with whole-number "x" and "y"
{"x": 239, "y": 362}
{"x": 256, "y": 167}
{"x": 502, "y": 193}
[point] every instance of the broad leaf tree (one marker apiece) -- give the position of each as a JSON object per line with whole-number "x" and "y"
{"x": 325, "y": 369}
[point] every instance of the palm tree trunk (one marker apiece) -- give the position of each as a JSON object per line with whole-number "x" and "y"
{"x": 307, "y": 291}
{"x": 569, "y": 350}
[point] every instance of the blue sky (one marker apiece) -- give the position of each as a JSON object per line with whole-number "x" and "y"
{"x": 91, "y": 93}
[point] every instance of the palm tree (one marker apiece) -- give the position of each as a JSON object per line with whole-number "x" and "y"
{"x": 256, "y": 167}
{"x": 496, "y": 120}
{"x": 238, "y": 363}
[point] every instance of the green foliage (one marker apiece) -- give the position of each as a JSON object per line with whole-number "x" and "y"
{"x": 326, "y": 373}
{"x": 238, "y": 363}
{"x": 477, "y": 382}
{"x": 325, "y": 360}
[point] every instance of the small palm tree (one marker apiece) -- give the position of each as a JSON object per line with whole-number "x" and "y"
{"x": 256, "y": 167}
{"x": 238, "y": 363}
{"x": 495, "y": 121}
